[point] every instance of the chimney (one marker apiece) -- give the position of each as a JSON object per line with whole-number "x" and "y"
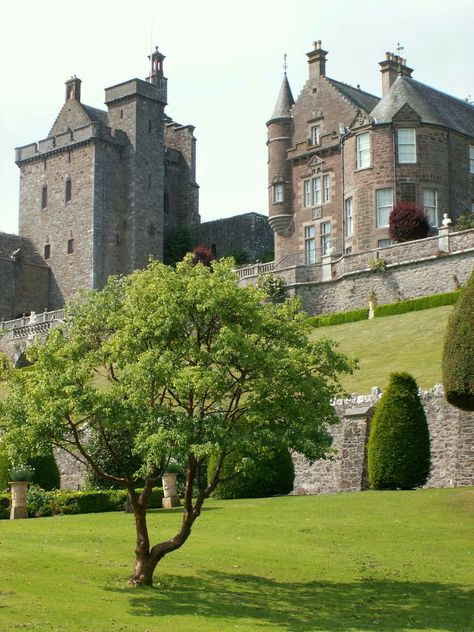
{"x": 156, "y": 69}
{"x": 392, "y": 67}
{"x": 73, "y": 89}
{"x": 317, "y": 61}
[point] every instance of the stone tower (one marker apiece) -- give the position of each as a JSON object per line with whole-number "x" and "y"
{"x": 93, "y": 193}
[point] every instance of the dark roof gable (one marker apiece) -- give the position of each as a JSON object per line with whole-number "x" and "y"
{"x": 359, "y": 98}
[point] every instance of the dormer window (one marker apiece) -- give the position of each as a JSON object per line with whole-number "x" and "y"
{"x": 406, "y": 146}
{"x": 68, "y": 190}
{"x": 316, "y": 135}
{"x": 278, "y": 192}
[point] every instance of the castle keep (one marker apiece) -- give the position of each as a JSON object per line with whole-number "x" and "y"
{"x": 340, "y": 158}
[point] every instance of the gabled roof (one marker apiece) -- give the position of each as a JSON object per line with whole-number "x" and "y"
{"x": 96, "y": 115}
{"x": 359, "y": 98}
{"x": 284, "y": 102}
{"x": 74, "y": 114}
{"x": 431, "y": 105}
{"x": 19, "y": 248}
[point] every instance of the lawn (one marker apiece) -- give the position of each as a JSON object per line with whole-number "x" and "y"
{"x": 389, "y": 561}
{"x": 410, "y": 342}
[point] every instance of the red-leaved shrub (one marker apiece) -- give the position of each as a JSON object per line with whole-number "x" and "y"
{"x": 408, "y": 221}
{"x": 202, "y": 254}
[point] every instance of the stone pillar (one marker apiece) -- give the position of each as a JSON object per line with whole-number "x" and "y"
{"x": 326, "y": 261}
{"x": 443, "y": 238}
{"x": 353, "y": 454}
{"x": 19, "y": 508}
{"x": 170, "y": 491}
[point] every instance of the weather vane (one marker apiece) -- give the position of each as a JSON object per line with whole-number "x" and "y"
{"x": 400, "y": 49}
{"x": 285, "y": 65}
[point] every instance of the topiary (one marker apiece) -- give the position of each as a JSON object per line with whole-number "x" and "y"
{"x": 273, "y": 474}
{"x": 458, "y": 353}
{"x": 399, "y": 442}
{"x": 46, "y": 473}
{"x": 408, "y": 221}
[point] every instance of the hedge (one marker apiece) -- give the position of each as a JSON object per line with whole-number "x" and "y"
{"x": 43, "y": 503}
{"x": 388, "y": 309}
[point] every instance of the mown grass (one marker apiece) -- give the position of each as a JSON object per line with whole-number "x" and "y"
{"x": 410, "y": 342}
{"x": 364, "y": 561}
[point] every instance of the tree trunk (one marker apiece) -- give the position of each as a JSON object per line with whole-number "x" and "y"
{"x": 143, "y": 572}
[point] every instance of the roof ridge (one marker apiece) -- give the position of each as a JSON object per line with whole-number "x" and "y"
{"x": 353, "y": 87}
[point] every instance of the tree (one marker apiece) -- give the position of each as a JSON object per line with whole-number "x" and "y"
{"x": 458, "y": 353}
{"x": 194, "y": 366}
{"x": 399, "y": 442}
{"x": 202, "y": 254}
{"x": 408, "y": 221}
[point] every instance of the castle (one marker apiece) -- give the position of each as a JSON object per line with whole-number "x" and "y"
{"x": 103, "y": 192}
{"x": 339, "y": 159}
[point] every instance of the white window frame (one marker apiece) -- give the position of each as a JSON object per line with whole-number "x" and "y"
{"x": 363, "y": 149}
{"x": 348, "y": 217}
{"x": 384, "y": 207}
{"x": 278, "y": 192}
{"x": 307, "y": 193}
{"x": 406, "y": 141}
{"x": 316, "y": 191}
{"x": 430, "y": 205}
{"x": 471, "y": 159}
{"x": 325, "y": 228}
{"x": 316, "y": 135}
{"x": 310, "y": 244}
{"x": 326, "y": 188}
{"x": 385, "y": 243}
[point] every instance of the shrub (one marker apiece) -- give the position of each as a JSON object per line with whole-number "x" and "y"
{"x": 464, "y": 221}
{"x": 273, "y": 286}
{"x": 5, "y": 466}
{"x": 45, "y": 472}
{"x": 202, "y": 254}
{"x": 4, "y": 505}
{"x": 417, "y": 304}
{"x": 339, "y": 317}
{"x": 39, "y": 502}
{"x": 21, "y": 473}
{"x": 177, "y": 244}
{"x": 458, "y": 353}
{"x": 408, "y": 221}
{"x": 399, "y": 442}
{"x": 121, "y": 443}
{"x": 273, "y": 474}
{"x": 377, "y": 265}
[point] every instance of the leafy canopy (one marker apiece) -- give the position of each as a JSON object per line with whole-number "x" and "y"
{"x": 184, "y": 364}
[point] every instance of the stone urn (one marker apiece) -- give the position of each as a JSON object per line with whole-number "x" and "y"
{"x": 19, "y": 508}
{"x": 170, "y": 490}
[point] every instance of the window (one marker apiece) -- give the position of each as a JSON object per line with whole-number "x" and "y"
{"x": 384, "y": 206}
{"x": 316, "y": 135}
{"x": 310, "y": 244}
{"x": 278, "y": 193}
{"x": 471, "y": 158}
{"x": 44, "y": 197}
{"x": 317, "y": 191}
{"x": 430, "y": 204}
{"x": 325, "y": 237}
{"x": 363, "y": 150}
{"x": 47, "y": 251}
{"x": 348, "y": 218}
{"x": 326, "y": 188}
{"x": 307, "y": 193}
{"x": 70, "y": 246}
{"x": 68, "y": 191}
{"x": 384, "y": 243}
{"x": 149, "y": 127}
{"x": 406, "y": 145}
{"x": 349, "y": 250}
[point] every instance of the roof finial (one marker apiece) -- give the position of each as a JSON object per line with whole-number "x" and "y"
{"x": 400, "y": 50}
{"x": 285, "y": 65}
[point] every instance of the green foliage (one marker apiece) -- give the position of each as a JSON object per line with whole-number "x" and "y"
{"x": 45, "y": 471}
{"x": 377, "y": 265}
{"x": 103, "y": 450}
{"x": 338, "y": 318}
{"x": 399, "y": 442}
{"x": 416, "y": 304}
{"x": 21, "y": 473}
{"x": 176, "y": 245}
{"x": 271, "y": 474}
{"x": 39, "y": 502}
{"x": 458, "y": 353}
{"x": 464, "y": 221}
{"x": 5, "y": 466}
{"x": 273, "y": 286}
{"x": 240, "y": 256}
{"x": 190, "y": 365}
{"x": 4, "y": 505}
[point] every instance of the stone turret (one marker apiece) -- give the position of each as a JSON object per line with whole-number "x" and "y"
{"x": 280, "y": 132}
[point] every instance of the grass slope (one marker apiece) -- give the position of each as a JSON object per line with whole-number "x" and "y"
{"x": 411, "y": 342}
{"x": 365, "y": 561}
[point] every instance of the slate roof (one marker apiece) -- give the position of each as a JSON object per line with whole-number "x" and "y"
{"x": 284, "y": 102}
{"x": 431, "y": 105}
{"x": 10, "y": 243}
{"x": 362, "y": 100}
{"x": 96, "y": 115}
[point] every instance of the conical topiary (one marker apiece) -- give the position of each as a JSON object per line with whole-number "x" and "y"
{"x": 458, "y": 355}
{"x": 399, "y": 442}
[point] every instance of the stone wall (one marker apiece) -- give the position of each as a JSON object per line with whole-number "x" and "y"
{"x": 73, "y": 473}
{"x": 452, "y": 447}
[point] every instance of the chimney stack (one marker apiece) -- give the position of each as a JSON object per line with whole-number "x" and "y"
{"x": 392, "y": 67}
{"x": 317, "y": 61}
{"x": 73, "y": 89}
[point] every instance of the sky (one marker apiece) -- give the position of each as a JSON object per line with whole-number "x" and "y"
{"x": 224, "y": 63}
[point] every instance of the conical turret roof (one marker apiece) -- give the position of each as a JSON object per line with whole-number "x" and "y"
{"x": 284, "y": 102}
